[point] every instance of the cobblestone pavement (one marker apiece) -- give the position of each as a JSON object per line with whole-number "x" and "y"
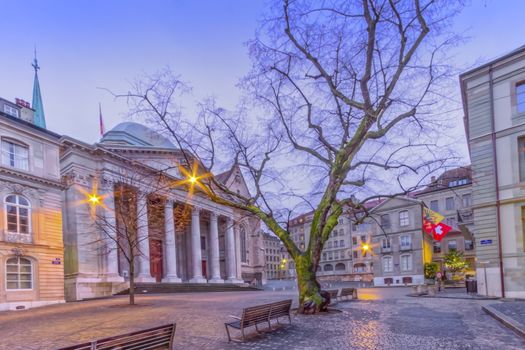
{"x": 382, "y": 319}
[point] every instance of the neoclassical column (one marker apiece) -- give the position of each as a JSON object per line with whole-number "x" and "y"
{"x": 214, "y": 250}
{"x": 112, "y": 273}
{"x": 196, "y": 256}
{"x": 170, "y": 244}
{"x": 231, "y": 264}
{"x": 143, "y": 239}
{"x": 238, "y": 259}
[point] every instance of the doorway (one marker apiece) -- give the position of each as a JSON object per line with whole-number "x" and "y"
{"x": 156, "y": 259}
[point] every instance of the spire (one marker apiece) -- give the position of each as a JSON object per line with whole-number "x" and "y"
{"x": 101, "y": 121}
{"x": 39, "y": 118}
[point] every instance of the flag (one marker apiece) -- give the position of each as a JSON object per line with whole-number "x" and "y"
{"x": 440, "y": 231}
{"x": 431, "y": 219}
{"x": 101, "y": 120}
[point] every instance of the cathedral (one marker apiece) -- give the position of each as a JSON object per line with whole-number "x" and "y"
{"x": 79, "y": 220}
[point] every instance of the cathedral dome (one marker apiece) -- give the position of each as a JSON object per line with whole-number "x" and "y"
{"x": 135, "y": 134}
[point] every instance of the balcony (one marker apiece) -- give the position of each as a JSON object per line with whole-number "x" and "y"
{"x": 13, "y": 237}
{"x": 467, "y": 215}
{"x": 404, "y": 247}
{"x": 386, "y": 249}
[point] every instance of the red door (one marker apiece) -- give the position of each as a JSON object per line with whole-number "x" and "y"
{"x": 204, "y": 268}
{"x": 156, "y": 259}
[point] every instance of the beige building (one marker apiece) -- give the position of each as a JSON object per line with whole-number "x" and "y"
{"x": 451, "y": 196}
{"x": 494, "y": 105}
{"x": 275, "y": 266}
{"x": 400, "y": 247}
{"x": 31, "y": 246}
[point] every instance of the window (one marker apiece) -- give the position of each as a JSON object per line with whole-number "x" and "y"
{"x": 385, "y": 221}
{"x": 15, "y": 155}
{"x": 329, "y": 245}
{"x": 521, "y": 153}
{"x": 354, "y": 254}
{"x": 403, "y": 218}
{"x": 520, "y": 97}
{"x": 324, "y": 256}
{"x": 354, "y": 240}
{"x": 341, "y": 243}
{"x": 406, "y": 262}
{"x": 387, "y": 264}
{"x": 17, "y": 211}
{"x": 452, "y": 245}
{"x": 336, "y": 244}
{"x": 363, "y": 239}
{"x": 330, "y": 256}
{"x": 340, "y": 267}
{"x": 404, "y": 241}
{"x": 242, "y": 233}
{"x": 437, "y": 247}
{"x": 469, "y": 244}
{"x": 434, "y": 205}
{"x": 328, "y": 267}
{"x": 19, "y": 273}
{"x": 451, "y": 222}
{"x": 336, "y": 255}
{"x": 449, "y": 203}
{"x": 360, "y": 268}
{"x": 385, "y": 243}
{"x": 467, "y": 200}
{"x": 12, "y": 111}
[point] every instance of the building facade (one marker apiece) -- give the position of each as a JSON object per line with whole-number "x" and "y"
{"x": 451, "y": 196}
{"x": 185, "y": 238}
{"x": 494, "y": 105}
{"x": 400, "y": 247}
{"x": 31, "y": 245}
{"x": 275, "y": 262}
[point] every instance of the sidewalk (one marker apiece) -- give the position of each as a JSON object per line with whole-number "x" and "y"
{"x": 511, "y": 314}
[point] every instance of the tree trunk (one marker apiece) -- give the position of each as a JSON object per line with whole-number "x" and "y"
{"x": 132, "y": 283}
{"x": 311, "y": 299}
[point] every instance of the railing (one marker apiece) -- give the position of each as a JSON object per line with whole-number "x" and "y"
{"x": 13, "y": 237}
{"x": 405, "y": 246}
{"x": 386, "y": 249}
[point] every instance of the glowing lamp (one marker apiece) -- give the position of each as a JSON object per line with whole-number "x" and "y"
{"x": 192, "y": 179}
{"x": 94, "y": 199}
{"x": 365, "y": 247}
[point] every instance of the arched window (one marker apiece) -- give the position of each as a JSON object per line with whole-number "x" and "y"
{"x": 19, "y": 273}
{"x": 328, "y": 267}
{"x": 359, "y": 268}
{"x": 18, "y": 212}
{"x": 340, "y": 267}
{"x": 242, "y": 233}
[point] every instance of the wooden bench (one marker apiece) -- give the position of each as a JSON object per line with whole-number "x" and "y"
{"x": 346, "y": 292}
{"x": 255, "y": 315}
{"x": 333, "y": 295}
{"x": 153, "y": 338}
{"x": 281, "y": 309}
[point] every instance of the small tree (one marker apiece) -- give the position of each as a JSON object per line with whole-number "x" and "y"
{"x": 456, "y": 263}
{"x": 431, "y": 269}
{"x": 123, "y": 214}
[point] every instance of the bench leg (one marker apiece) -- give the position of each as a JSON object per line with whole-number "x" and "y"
{"x": 257, "y": 329}
{"x": 228, "y": 332}
{"x": 289, "y": 319}
{"x": 242, "y": 333}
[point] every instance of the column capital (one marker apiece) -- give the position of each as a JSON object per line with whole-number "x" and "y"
{"x": 195, "y": 211}
{"x": 213, "y": 216}
{"x": 169, "y": 202}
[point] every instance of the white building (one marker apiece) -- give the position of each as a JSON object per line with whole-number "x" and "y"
{"x": 195, "y": 240}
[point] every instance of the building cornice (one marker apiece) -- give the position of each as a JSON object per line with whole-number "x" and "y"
{"x": 20, "y": 174}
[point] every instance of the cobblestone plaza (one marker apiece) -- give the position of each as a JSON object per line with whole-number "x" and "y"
{"x": 381, "y": 319}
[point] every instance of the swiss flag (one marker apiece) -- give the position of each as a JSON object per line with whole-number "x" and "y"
{"x": 440, "y": 231}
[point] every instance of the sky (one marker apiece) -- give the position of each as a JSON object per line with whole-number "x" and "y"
{"x": 85, "y": 47}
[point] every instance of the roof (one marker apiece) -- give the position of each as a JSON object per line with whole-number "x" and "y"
{"x": 444, "y": 180}
{"x": 223, "y": 177}
{"x": 493, "y": 61}
{"x": 135, "y": 134}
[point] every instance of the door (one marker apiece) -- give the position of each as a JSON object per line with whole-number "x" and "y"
{"x": 156, "y": 259}
{"x": 204, "y": 269}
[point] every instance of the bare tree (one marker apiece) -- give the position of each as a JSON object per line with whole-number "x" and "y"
{"x": 347, "y": 97}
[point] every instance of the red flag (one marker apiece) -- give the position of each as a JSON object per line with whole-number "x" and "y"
{"x": 440, "y": 231}
{"x": 101, "y": 120}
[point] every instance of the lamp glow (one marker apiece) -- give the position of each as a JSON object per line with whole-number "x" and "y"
{"x": 192, "y": 179}
{"x": 365, "y": 247}
{"x": 94, "y": 199}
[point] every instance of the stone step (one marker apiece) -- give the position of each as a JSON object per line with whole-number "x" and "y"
{"x": 153, "y": 288}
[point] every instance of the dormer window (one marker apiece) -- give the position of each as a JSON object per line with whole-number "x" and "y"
{"x": 15, "y": 155}
{"x": 459, "y": 182}
{"x": 12, "y": 111}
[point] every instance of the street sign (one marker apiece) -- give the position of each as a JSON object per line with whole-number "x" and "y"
{"x": 485, "y": 241}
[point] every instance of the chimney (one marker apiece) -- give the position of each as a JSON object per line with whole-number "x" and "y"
{"x": 26, "y": 113}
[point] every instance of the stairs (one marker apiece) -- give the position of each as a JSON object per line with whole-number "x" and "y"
{"x": 155, "y": 288}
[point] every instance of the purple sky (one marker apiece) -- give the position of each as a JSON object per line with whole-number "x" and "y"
{"x": 85, "y": 45}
